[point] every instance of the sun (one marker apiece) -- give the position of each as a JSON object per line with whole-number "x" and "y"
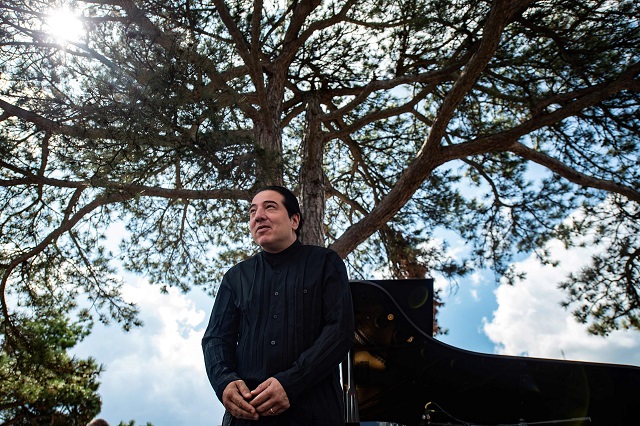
{"x": 64, "y": 26}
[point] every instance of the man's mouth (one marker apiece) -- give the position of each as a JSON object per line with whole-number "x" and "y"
{"x": 262, "y": 227}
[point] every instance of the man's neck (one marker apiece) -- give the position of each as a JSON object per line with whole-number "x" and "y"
{"x": 280, "y": 247}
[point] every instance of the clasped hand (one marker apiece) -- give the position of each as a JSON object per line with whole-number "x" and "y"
{"x": 268, "y": 399}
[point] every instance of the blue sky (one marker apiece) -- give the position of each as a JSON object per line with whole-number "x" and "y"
{"x": 156, "y": 373}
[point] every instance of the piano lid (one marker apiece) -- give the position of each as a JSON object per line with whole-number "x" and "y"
{"x": 399, "y": 369}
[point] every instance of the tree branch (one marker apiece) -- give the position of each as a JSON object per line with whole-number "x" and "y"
{"x": 430, "y": 155}
{"x": 573, "y": 175}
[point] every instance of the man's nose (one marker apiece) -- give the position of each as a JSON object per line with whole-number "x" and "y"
{"x": 259, "y": 215}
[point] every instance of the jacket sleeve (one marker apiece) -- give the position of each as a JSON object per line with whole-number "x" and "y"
{"x": 335, "y": 338}
{"x": 220, "y": 339}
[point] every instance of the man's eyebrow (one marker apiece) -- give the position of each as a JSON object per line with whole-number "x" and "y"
{"x": 264, "y": 202}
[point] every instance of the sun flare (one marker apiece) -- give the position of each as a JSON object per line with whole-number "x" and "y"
{"x": 64, "y": 26}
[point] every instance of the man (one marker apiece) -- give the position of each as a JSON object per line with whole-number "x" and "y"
{"x": 281, "y": 323}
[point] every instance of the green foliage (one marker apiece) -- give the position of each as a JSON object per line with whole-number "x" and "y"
{"x": 39, "y": 382}
{"x": 133, "y": 423}
{"x": 606, "y": 291}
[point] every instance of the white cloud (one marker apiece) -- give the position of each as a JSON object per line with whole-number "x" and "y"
{"x": 477, "y": 278}
{"x": 474, "y": 295}
{"x": 530, "y": 321}
{"x": 156, "y": 373}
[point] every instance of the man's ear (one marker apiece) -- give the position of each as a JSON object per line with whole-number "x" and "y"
{"x": 295, "y": 221}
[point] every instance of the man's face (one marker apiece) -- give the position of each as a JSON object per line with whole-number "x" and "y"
{"x": 270, "y": 224}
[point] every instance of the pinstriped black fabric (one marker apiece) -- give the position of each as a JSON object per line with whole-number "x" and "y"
{"x": 287, "y": 315}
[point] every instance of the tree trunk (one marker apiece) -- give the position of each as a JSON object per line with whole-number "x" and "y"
{"x": 312, "y": 184}
{"x": 269, "y": 170}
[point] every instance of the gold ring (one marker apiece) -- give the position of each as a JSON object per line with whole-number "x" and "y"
{"x": 272, "y": 412}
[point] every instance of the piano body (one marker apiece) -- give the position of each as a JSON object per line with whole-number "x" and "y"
{"x": 398, "y": 373}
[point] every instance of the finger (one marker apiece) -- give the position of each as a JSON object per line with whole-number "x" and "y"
{"x": 242, "y": 414}
{"x": 266, "y": 407}
{"x": 246, "y": 407}
{"x": 243, "y": 389}
{"x": 241, "y": 409}
{"x": 277, "y": 394}
{"x": 262, "y": 396}
{"x": 261, "y": 387}
{"x": 234, "y": 401}
{"x": 232, "y": 397}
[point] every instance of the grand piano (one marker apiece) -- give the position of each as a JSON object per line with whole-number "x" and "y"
{"x": 396, "y": 373}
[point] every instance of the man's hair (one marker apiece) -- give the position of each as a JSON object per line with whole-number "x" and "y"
{"x": 98, "y": 422}
{"x": 290, "y": 202}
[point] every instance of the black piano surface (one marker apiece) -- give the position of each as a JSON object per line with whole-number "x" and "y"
{"x": 403, "y": 375}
